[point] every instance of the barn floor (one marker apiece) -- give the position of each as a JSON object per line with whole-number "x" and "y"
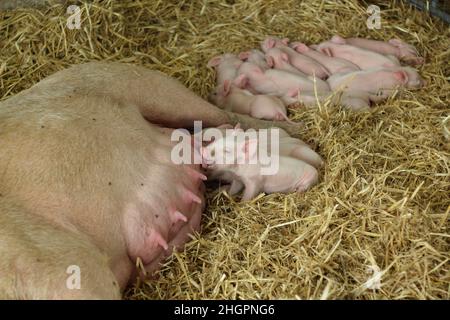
{"x": 381, "y": 209}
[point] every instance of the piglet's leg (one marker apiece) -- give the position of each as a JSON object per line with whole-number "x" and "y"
{"x": 305, "y": 153}
{"x": 235, "y": 187}
{"x": 252, "y": 188}
{"x": 160, "y": 99}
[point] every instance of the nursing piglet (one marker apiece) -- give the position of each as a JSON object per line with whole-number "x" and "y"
{"x": 356, "y": 101}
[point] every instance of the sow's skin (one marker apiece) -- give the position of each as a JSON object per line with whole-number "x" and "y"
{"x": 87, "y": 179}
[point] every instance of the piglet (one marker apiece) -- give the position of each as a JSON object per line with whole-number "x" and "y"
{"x": 395, "y": 47}
{"x": 276, "y": 82}
{"x": 333, "y": 64}
{"x": 293, "y": 175}
{"x": 242, "y": 101}
{"x": 256, "y": 57}
{"x": 303, "y": 63}
{"x": 233, "y": 184}
{"x": 364, "y": 59}
{"x": 379, "y": 83}
{"x": 226, "y": 66}
{"x": 289, "y": 147}
{"x": 278, "y": 59}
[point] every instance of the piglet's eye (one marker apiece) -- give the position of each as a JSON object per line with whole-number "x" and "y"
{"x": 213, "y": 153}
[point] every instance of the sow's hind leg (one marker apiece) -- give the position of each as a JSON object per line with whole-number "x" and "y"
{"x": 161, "y": 99}
{"x": 40, "y": 261}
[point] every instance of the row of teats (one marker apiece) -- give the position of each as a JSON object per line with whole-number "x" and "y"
{"x": 353, "y": 72}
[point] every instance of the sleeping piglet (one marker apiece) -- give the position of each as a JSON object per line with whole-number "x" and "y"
{"x": 301, "y": 62}
{"x": 333, "y": 64}
{"x": 276, "y": 82}
{"x": 378, "y": 82}
{"x": 259, "y": 106}
{"x": 364, "y": 59}
{"x": 395, "y": 47}
{"x": 256, "y": 57}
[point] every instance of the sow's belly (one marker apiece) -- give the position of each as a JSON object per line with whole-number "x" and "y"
{"x": 112, "y": 179}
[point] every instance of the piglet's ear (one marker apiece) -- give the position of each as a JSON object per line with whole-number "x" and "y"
{"x": 338, "y": 39}
{"x": 395, "y": 42}
{"x": 299, "y": 47}
{"x": 225, "y": 126}
{"x": 226, "y": 87}
{"x": 284, "y": 56}
{"x": 327, "y": 51}
{"x": 401, "y": 76}
{"x": 285, "y": 41}
{"x": 270, "y": 62}
{"x": 269, "y": 43}
{"x": 214, "y": 61}
{"x": 244, "y": 55}
{"x": 241, "y": 81}
{"x": 250, "y": 148}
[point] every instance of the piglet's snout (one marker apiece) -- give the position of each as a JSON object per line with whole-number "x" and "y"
{"x": 206, "y": 161}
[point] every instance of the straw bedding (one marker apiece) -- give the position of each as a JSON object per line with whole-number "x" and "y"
{"x": 381, "y": 209}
